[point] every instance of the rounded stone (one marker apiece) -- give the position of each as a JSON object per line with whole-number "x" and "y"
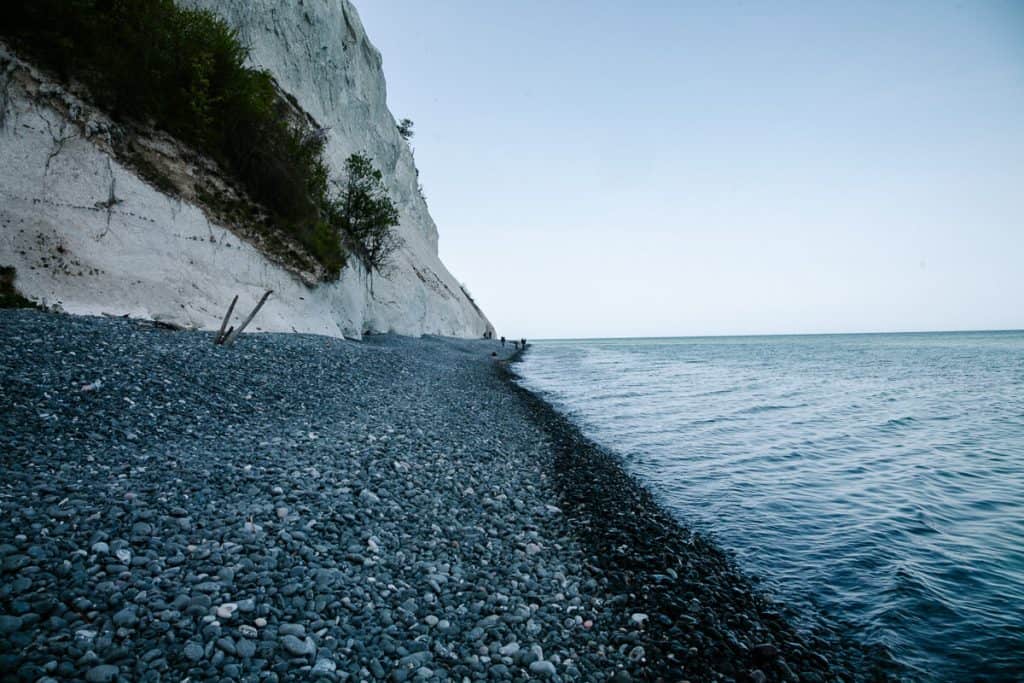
{"x": 102, "y": 673}
{"x": 194, "y": 651}
{"x": 543, "y": 668}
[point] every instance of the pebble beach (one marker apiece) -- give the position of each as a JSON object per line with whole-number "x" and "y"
{"x": 297, "y": 507}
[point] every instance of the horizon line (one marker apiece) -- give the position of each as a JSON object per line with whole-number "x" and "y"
{"x": 783, "y": 334}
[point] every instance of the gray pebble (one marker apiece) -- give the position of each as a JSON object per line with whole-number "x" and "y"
{"x": 194, "y": 651}
{"x": 9, "y": 623}
{"x": 543, "y": 668}
{"x": 102, "y": 673}
{"x": 297, "y": 647}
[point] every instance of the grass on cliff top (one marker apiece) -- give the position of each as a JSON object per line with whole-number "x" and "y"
{"x": 183, "y": 70}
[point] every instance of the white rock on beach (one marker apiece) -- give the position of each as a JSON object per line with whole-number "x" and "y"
{"x": 226, "y": 610}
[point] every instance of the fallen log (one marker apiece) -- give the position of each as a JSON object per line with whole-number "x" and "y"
{"x": 221, "y": 335}
{"x": 232, "y": 336}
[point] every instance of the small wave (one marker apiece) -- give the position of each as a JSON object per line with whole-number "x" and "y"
{"x": 753, "y": 410}
{"x": 921, "y": 526}
{"x": 715, "y": 392}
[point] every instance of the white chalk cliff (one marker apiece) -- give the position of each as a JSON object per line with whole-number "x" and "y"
{"x": 86, "y": 232}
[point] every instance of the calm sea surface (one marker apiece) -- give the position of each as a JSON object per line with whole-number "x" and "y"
{"x": 875, "y": 481}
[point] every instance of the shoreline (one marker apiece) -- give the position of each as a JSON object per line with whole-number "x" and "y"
{"x": 299, "y": 507}
{"x": 695, "y": 596}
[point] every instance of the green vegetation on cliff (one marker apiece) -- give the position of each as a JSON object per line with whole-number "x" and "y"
{"x": 183, "y": 71}
{"x": 365, "y": 212}
{"x": 10, "y": 297}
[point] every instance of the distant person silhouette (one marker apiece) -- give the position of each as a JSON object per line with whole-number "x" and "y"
{"x": 503, "y": 341}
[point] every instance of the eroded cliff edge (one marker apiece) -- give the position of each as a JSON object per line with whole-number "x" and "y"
{"x": 87, "y": 232}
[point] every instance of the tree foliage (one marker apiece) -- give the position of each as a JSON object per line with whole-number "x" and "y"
{"x": 183, "y": 70}
{"x": 366, "y": 213}
{"x": 405, "y": 129}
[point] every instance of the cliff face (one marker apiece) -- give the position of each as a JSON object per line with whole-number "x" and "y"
{"x": 85, "y": 231}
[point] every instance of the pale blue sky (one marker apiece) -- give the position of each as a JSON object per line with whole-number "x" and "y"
{"x": 683, "y": 168}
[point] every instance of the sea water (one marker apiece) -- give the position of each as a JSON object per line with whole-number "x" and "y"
{"x": 874, "y": 481}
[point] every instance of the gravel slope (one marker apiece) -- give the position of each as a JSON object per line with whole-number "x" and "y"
{"x": 299, "y": 507}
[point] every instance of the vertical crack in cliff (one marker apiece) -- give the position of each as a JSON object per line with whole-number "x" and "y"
{"x": 59, "y": 140}
{"x": 111, "y": 199}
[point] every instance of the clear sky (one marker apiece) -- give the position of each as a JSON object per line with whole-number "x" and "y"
{"x": 665, "y": 167}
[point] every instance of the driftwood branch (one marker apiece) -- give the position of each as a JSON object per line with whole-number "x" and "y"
{"x": 232, "y": 336}
{"x": 221, "y": 335}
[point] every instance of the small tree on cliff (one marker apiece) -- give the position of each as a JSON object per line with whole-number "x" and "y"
{"x": 366, "y": 213}
{"x": 405, "y": 129}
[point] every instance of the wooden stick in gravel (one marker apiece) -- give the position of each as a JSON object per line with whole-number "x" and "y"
{"x": 234, "y": 335}
{"x": 221, "y": 335}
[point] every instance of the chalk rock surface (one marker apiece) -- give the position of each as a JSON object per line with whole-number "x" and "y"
{"x": 87, "y": 233}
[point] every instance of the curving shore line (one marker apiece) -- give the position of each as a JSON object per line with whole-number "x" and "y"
{"x": 705, "y": 618}
{"x": 298, "y": 508}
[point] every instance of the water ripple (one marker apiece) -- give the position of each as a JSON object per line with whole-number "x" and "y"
{"x": 874, "y": 480}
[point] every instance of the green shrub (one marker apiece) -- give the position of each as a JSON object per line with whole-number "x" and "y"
{"x": 183, "y": 69}
{"x": 326, "y": 243}
{"x": 366, "y": 213}
{"x": 10, "y": 297}
{"x": 405, "y": 129}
